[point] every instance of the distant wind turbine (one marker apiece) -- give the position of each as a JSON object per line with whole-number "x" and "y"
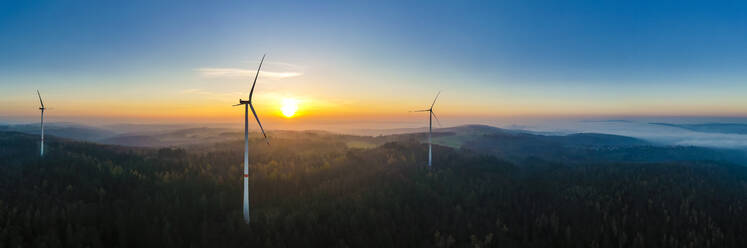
{"x": 431, "y": 115}
{"x": 42, "y": 108}
{"x": 247, "y": 105}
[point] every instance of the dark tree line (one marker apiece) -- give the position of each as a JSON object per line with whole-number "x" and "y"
{"x": 310, "y": 190}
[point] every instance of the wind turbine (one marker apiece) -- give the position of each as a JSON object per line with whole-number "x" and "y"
{"x": 431, "y": 115}
{"x": 42, "y": 108}
{"x": 247, "y": 105}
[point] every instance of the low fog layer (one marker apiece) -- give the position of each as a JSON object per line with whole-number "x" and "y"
{"x": 665, "y": 131}
{"x": 650, "y": 130}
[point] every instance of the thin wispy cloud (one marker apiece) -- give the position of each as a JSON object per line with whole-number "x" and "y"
{"x": 210, "y": 94}
{"x": 285, "y": 66}
{"x": 242, "y": 73}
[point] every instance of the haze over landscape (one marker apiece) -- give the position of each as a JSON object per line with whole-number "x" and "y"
{"x": 385, "y": 124}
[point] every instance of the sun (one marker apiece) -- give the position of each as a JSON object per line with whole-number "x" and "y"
{"x": 289, "y": 107}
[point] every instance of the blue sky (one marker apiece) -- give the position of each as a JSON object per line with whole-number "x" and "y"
{"x": 510, "y": 58}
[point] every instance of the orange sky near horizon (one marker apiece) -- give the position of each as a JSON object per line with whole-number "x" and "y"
{"x": 329, "y": 93}
{"x": 363, "y": 63}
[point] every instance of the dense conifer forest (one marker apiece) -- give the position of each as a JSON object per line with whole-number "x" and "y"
{"x": 312, "y": 190}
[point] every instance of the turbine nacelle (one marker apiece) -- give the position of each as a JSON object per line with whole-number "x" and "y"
{"x": 242, "y": 102}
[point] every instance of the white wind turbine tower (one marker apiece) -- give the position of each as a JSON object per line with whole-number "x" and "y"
{"x": 42, "y": 108}
{"x": 247, "y": 105}
{"x": 431, "y": 115}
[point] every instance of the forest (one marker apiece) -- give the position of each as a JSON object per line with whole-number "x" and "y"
{"x": 312, "y": 189}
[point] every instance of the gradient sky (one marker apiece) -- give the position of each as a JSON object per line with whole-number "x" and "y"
{"x": 181, "y": 61}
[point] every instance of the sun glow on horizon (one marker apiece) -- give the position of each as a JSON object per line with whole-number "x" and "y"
{"x": 289, "y": 107}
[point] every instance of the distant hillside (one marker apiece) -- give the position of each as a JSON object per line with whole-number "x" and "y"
{"x": 507, "y": 144}
{"x": 397, "y": 131}
{"x": 727, "y": 128}
{"x": 140, "y": 135}
{"x": 145, "y": 128}
{"x": 519, "y": 145}
{"x": 588, "y": 148}
{"x": 133, "y": 140}
{"x": 63, "y": 130}
{"x": 474, "y": 129}
{"x": 179, "y": 137}
{"x": 458, "y": 136}
{"x": 380, "y": 132}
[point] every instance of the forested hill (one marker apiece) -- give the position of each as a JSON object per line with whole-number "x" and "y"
{"x": 313, "y": 190}
{"x": 579, "y": 148}
{"x": 61, "y": 129}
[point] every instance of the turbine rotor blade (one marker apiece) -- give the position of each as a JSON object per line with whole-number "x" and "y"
{"x": 256, "y": 75}
{"x": 236, "y": 105}
{"x": 40, "y": 98}
{"x": 434, "y": 99}
{"x": 424, "y": 110}
{"x": 260, "y": 124}
{"x": 434, "y": 116}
